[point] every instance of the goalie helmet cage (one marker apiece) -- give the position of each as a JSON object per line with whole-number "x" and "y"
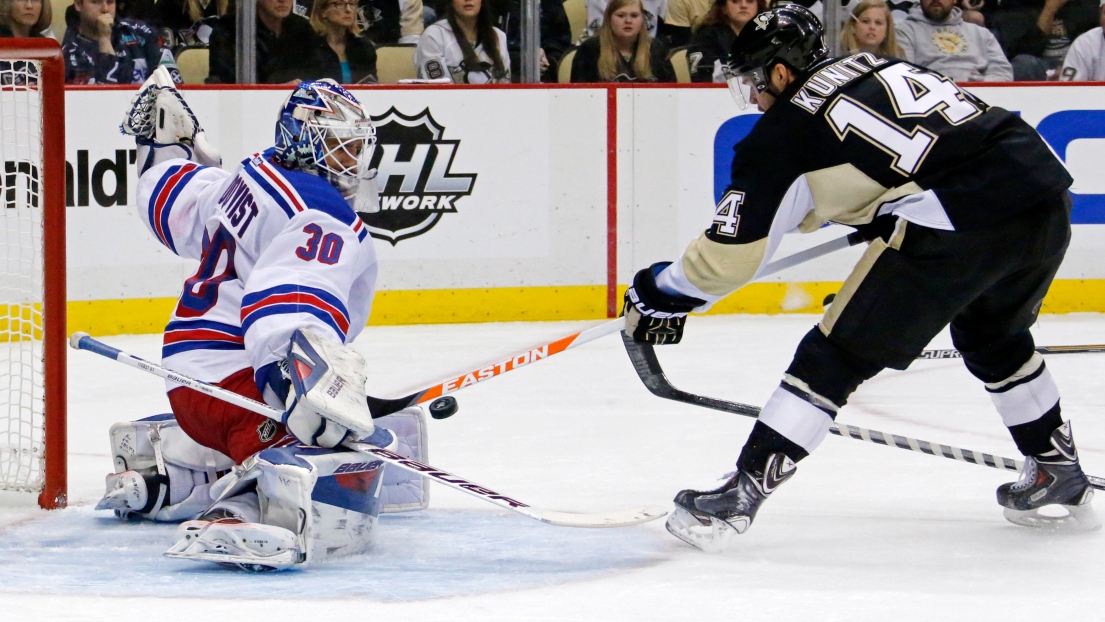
{"x": 32, "y": 270}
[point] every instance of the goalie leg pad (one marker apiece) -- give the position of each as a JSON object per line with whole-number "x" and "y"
{"x": 160, "y": 473}
{"x": 404, "y": 491}
{"x": 311, "y": 503}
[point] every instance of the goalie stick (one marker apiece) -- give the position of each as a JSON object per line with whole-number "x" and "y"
{"x": 952, "y": 353}
{"x": 487, "y": 372}
{"x": 82, "y": 341}
{"x": 647, "y": 366}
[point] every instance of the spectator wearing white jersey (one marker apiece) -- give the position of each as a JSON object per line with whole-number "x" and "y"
{"x": 464, "y": 46}
{"x": 1085, "y": 60}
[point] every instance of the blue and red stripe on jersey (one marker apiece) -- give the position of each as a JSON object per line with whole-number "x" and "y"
{"x": 183, "y": 336}
{"x": 165, "y": 193}
{"x": 295, "y": 191}
{"x": 286, "y": 299}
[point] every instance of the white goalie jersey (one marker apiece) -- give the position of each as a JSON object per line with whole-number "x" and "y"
{"x": 278, "y": 250}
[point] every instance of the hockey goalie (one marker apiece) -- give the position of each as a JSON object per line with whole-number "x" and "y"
{"x": 285, "y": 282}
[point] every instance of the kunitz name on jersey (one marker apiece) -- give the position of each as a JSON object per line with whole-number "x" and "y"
{"x": 824, "y": 82}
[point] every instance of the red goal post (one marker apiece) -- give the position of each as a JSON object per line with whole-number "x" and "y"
{"x": 32, "y": 270}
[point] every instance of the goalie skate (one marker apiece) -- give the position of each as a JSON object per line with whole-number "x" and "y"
{"x": 231, "y": 542}
{"x": 1052, "y": 493}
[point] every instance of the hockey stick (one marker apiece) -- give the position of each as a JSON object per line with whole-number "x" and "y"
{"x": 648, "y": 368}
{"x": 81, "y": 341}
{"x": 952, "y": 353}
{"x": 487, "y": 372}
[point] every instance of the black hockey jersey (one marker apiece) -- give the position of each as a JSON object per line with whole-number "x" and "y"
{"x": 860, "y": 137}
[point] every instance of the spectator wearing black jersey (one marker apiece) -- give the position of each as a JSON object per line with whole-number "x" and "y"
{"x": 100, "y": 49}
{"x": 555, "y": 35}
{"x": 340, "y": 52}
{"x": 283, "y": 39}
{"x": 681, "y": 20}
{"x": 188, "y": 23}
{"x": 870, "y": 28}
{"x": 24, "y": 18}
{"x": 622, "y": 50}
{"x": 384, "y": 22}
{"x": 714, "y": 36}
{"x": 1036, "y": 34}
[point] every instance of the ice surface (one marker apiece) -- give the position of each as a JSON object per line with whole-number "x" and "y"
{"x": 862, "y": 532}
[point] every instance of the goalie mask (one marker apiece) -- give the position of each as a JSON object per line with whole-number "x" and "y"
{"x": 324, "y": 130}
{"x": 788, "y": 34}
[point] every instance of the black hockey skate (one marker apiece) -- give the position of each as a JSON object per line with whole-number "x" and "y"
{"x": 1052, "y": 479}
{"x": 708, "y": 520}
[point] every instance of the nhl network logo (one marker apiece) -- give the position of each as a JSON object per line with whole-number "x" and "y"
{"x": 416, "y": 185}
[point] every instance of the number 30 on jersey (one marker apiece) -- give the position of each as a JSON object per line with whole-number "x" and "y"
{"x": 726, "y": 218}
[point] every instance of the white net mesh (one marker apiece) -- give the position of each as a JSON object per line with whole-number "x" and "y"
{"x": 22, "y": 381}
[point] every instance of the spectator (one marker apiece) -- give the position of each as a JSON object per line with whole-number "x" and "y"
{"x": 653, "y": 11}
{"x": 188, "y": 23}
{"x": 683, "y": 17}
{"x": 622, "y": 51}
{"x": 283, "y": 40}
{"x": 24, "y": 18}
{"x": 384, "y": 22}
{"x": 870, "y": 28}
{"x": 1036, "y": 34}
{"x": 715, "y": 34}
{"x": 1086, "y": 58}
{"x": 100, "y": 49}
{"x": 555, "y": 35}
{"x": 464, "y": 45}
{"x": 340, "y": 52}
{"x": 935, "y": 36}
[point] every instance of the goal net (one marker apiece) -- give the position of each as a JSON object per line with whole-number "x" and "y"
{"x": 32, "y": 271}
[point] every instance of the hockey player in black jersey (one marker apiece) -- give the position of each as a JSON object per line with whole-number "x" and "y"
{"x": 970, "y": 218}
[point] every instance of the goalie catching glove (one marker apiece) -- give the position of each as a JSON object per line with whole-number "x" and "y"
{"x": 164, "y": 127}
{"x": 322, "y": 387}
{"x": 653, "y": 315}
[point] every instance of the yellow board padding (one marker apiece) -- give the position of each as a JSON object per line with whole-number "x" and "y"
{"x": 518, "y": 304}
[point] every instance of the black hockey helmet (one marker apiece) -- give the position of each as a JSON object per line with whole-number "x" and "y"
{"x": 789, "y": 34}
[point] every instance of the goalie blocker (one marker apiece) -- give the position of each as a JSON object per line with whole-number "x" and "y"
{"x": 318, "y": 503}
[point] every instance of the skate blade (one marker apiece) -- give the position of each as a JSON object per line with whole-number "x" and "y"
{"x": 712, "y": 536}
{"x": 1078, "y": 519}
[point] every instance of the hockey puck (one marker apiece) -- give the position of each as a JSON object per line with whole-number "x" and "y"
{"x": 443, "y": 407}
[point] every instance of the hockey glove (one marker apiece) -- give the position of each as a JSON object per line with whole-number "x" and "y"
{"x": 164, "y": 126}
{"x": 652, "y": 315}
{"x": 326, "y": 402}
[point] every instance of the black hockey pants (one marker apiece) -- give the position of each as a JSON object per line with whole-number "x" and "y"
{"x": 988, "y": 284}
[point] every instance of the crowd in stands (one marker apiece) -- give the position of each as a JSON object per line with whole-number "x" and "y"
{"x": 479, "y": 41}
